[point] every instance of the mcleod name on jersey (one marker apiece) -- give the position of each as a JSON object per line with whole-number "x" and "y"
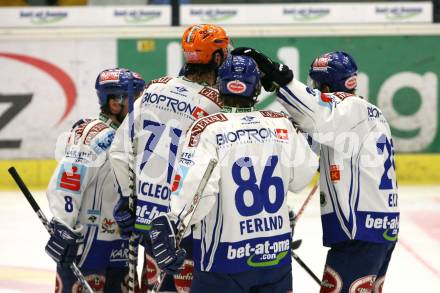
{"x": 242, "y": 221}
{"x": 162, "y": 115}
{"x": 358, "y": 178}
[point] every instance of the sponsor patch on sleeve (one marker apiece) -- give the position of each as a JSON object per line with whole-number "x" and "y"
{"x": 212, "y": 95}
{"x": 272, "y": 114}
{"x": 97, "y": 128}
{"x": 200, "y": 126}
{"x": 70, "y": 177}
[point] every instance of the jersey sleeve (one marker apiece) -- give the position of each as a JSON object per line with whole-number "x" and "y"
{"x": 121, "y": 150}
{"x": 323, "y": 116}
{"x": 75, "y": 172}
{"x": 305, "y": 164}
{"x": 198, "y": 150}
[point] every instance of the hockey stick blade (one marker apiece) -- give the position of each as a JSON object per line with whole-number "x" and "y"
{"x": 181, "y": 230}
{"x": 20, "y": 183}
{"x": 295, "y": 244}
{"x": 305, "y": 267}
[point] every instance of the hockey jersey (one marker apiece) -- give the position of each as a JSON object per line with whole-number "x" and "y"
{"x": 241, "y": 222}
{"x": 358, "y": 177}
{"x": 82, "y": 192}
{"x": 163, "y": 114}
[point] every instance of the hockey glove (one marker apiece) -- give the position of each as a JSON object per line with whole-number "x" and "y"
{"x": 124, "y": 217}
{"x": 64, "y": 243}
{"x": 163, "y": 241}
{"x": 292, "y": 221}
{"x": 275, "y": 74}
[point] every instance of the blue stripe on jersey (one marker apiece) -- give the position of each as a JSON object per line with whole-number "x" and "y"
{"x": 293, "y": 96}
{"x": 345, "y": 225}
{"x": 282, "y": 97}
{"x": 213, "y": 238}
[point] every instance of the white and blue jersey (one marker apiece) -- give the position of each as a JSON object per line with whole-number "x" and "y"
{"x": 162, "y": 115}
{"x": 358, "y": 178}
{"x": 82, "y": 192}
{"x": 241, "y": 222}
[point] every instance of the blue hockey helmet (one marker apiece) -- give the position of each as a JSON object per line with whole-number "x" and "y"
{"x": 239, "y": 75}
{"x": 337, "y": 70}
{"x": 115, "y": 82}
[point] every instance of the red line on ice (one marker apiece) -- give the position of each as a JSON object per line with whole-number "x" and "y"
{"x": 419, "y": 258}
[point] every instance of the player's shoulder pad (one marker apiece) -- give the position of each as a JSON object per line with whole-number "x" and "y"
{"x": 201, "y": 124}
{"x": 97, "y": 135}
{"x": 272, "y": 114}
{"x": 212, "y": 94}
{"x": 161, "y": 80}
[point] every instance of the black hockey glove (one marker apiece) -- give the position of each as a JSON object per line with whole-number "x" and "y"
{"x": 274, "y": 74}
{"x": 64, "y": 243}
{"x": 124, "y": 217}
{"x": 168, "y": 256}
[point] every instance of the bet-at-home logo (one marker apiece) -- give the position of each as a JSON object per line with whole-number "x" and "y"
{"x": 262, "y": 255}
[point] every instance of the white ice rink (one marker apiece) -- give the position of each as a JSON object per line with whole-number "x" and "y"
{"x": 415, "y": 266}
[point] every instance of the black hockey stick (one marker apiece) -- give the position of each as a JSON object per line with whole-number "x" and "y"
{"x": 133, "y": 240}
{"x": 186, "y": 220}
{"x": 305, "y": 267}
{"x": 45, "y": 222}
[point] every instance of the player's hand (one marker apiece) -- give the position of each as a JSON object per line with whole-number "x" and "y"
{"x": 274, "y": 74}
{"x": 64, "y": 243}
{"x": 163, "y": 241}
{"x": 124, "y": 217}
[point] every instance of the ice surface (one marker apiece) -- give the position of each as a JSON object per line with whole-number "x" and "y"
{"x": 415, "y": 266}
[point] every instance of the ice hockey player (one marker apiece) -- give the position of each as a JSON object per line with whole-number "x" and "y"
{"x": 162, "y": 116}
{"x": 241, "y": 229}
{"x": 359, "y": 209}
{"x": 82, "y": 194}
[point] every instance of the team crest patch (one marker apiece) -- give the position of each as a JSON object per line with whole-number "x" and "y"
{"x": 363, "y": 285}
{"x": 96, "y": 282}
{"x": 184, "y": 278}
{"x": 152, "y": 271}
{"x": 335, "y": 174}
{"x": 236, "y": 87}
{"x": 331, "y": 282}
{"x": 70, "y": 177}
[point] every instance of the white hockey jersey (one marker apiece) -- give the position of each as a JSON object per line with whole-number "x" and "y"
{"x": 241, "y": 222}
{"x": 82, "y": 191}
{"x": 162, "y": 116}
{"x": 358, "y": 177}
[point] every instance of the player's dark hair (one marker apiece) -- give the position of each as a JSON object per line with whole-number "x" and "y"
{"x": 201, "y": 69}
{"x": 238, "y": 101}
{"x": 106, "y": 108}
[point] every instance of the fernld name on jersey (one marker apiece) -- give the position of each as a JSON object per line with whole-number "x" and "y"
{"x": 253, "y": 135}
{"x": 173, "y": 104}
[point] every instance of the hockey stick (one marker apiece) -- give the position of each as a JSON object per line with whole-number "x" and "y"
{"x": 132, "y": 241}
{"x": 45, "y": 222}
{"x": 297, "y": 216}
{"x": 306, "y": 202}
{"x": 184, "y": 223}
{"x": 305, "y": 267}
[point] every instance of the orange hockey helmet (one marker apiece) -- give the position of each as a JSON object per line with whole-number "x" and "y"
{"x": 200, "y": 41}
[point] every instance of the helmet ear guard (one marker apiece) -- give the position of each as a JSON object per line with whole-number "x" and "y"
{"x": 338, "y": 70}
